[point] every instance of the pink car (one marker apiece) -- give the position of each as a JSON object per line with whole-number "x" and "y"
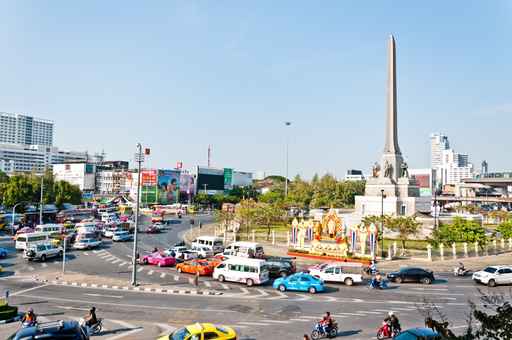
{"x": 158, "y": 259}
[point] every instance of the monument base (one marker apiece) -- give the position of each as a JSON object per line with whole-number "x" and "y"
{"x": 391, "y": 205}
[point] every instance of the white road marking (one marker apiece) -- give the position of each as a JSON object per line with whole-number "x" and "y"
{"x": 244, "y": 290}
{"x": 253, "y": 323}
{"x": 310, "y": 317}
{"x": 115, "y": 261}
{"x": 72, "y": 308}
{"x": 301, "y": 320}
{"x": 135, "y": 329}
{"x": 27, "y": 290}
{"x": 165, "y": 328}
{"x": 122, "y": 263}
{"x": 176, "y": 277}
{"x": 262, "y": 293}
{"x": 44, "y": 265}
{"x": 432, "y": 289}
{"x": 140, "y": 269}
{"x": 207, "y": 284}
{"x": 350, "y": 314}
{"x": 30, "y": 268}
{"x": 274, "y": 321}
{"x": 225, "y": 286}
{"x": 368, "y": 312}
{"x": 151, "y": 272}
{"x": 101, "y": 295}
{"x": 162, "y": 275}
{"x": 98, "y": 251}
{"x": 86, "y": 253}
{"x": 303, "y": 298}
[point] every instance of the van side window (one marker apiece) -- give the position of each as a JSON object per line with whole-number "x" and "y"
{"x": 218, "y": 243}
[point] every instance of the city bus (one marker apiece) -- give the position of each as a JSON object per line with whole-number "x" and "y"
{"x": 24, "y": 241}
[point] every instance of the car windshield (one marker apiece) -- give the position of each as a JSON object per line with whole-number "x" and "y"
{"x": 180, "y": 334}
{"x": 490, "y": 270}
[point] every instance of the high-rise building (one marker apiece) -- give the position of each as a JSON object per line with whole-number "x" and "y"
{"x": 450, "y": 167}
{"x": 17, "y": 128}
{"x": 438, "y": 143}
{"x": 354, "y": 175}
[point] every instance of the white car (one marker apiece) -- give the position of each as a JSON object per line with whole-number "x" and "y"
{"x": 122, "y": 235}
{"x": 186, "y": 255}
{"x": 42, "y": 252}
{"x": 86, "y": 243}
{"x": 334, "y": 273}
{"x": 203, "y": 252}
{"x": 494, "y": 275}
{"x": 109, "y": 232}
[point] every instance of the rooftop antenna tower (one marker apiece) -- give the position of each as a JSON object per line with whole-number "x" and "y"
{"x": 209, "y": 155}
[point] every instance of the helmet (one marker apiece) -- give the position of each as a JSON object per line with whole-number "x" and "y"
{"x": 93, "y": 309}
{"x": 31, "y": 310}
{"x": 391, "y": 313}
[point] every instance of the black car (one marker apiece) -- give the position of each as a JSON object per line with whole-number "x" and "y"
{"x": 412, "y": 275}
{"x": 52, "y": 330}
{"x": 280, "y": 268}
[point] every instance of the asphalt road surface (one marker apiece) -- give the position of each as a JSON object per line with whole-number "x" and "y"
{"x": 256, "y": 312}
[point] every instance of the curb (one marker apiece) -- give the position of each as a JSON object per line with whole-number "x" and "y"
{"x": 16, "y": 318}
{"x": 135, "y": 289}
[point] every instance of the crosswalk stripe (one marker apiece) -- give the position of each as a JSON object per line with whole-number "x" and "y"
{"x": 124, "y": 324}
{"x": 105, "y": 255}
{"x": 176, "y": 278}
{"x": 140, "y": 269}
{"x": 162, "y": 275}
{"x": 44, "y": 265}
{"x": 300, "y": 320}
{"x": 253, "y": 323}
{"x": 122, "y": 263}
{"x": 274, "y": 321}
{"x": 207, "y": 284}
{"x": 115, "y": 261}
{"x": 367, "y": 312}
{"x": 151, "y": 272}
{"x": 86, "y": 253}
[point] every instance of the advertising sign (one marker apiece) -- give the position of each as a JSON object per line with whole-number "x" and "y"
{"x": 148, "y": 186}
{"x": 168, "y": 186}
{"x": 228, "y": 179}
{"x": 186, "y": 183}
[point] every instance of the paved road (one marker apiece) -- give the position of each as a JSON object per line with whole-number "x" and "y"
{"x": 256, "y": 312}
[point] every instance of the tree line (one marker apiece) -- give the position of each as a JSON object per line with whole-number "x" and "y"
{"x": 26, "y": 189}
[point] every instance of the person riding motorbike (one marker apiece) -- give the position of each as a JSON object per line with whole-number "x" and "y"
{"x": 91, "y": 319}
{"x": 29, "y": 318}
{"x": 326, "y": 323}
{"x": 393, "y": 322}
{"x": 373, "y": 268}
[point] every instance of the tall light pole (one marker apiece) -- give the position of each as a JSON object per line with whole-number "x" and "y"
{"x": 139, "y": 158}
{"x": 286, "y": 152}
{"x": 13, "y": 213}
{"x": 435, "y": 204}
{"x": 382, "y": 222}
{"x": 41, "y": 199}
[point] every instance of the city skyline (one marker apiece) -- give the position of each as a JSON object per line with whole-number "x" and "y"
{"x": 236, "y": 81}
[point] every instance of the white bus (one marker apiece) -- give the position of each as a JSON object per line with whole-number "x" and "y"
{"x": 50, "y": 228}
{"x": 24, "y": 241}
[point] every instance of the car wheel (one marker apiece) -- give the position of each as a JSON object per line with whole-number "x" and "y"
{"x": 221, "y": 278}
{"x": 43, "y": 257}
{"x": 348, "y": 281}
{"x": 249, "y": 282}
{"x": 426, "y": 280}
{"x": 491, "y": 283}
{"x": 282, "y": 288}
{"x": 398, "y": 280}
{"x": 312, "y": 290}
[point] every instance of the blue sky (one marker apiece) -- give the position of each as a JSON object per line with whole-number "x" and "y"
{"x": 179, "y": 75}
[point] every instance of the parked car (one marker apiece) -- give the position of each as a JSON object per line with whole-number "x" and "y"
{"x": 334, "y": 273}
{"x": 186, "y": 255}
{"x": 87, "y": 243}
{"x": 158, "y": 259}
{"x": 203, "y": 267}
{"x": 494, "y": 275}
{"x": 203, "y": 252}
{"x": 122, "y": 235}
{"x": 417, "y": 334}
{"x": 202, "y": 331}
{"x": 42, "y": 252}
{"x": 52, "y": 330}
{"x": 110, "y": 231}
{"x": 301, "y": 282}
{"x": 280, "y": 268}
{"x": 3, "y": 252}
{"x": 411, "y": 274}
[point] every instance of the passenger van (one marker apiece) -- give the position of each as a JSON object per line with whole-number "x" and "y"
{"x": 244, "y": 249}
{"x": 50, "y": 228}
{"x": 213, "y": 243}
{"x": 108, "y": 217}
{"x": 239, "y": 269}
{"x": 25, "y": 241}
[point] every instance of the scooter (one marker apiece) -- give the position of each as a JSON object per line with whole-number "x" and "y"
{"x": 318, "y": 331}
{"x": 374, "y": 284}
{"x": 94, "y": 329}
{"x": 26, "y": 324}
{"x": 459, "y": 271}
{"x": 385, "y": 332}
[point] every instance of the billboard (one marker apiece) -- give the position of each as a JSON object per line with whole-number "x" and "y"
{"x": 210, "y": 179}
{"x": 186, "y": 183}
{"x": 148, "y": 183}
{"x": 168, "y": 186}
{"x": 228, "y": 179}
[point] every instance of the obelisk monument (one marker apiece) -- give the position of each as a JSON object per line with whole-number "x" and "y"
{"x": 389, "y": 189}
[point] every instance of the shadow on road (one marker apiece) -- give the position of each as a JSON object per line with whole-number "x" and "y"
{"x": 349, "y": 333}
{"x": 32, "y": 303}
{"x": 439, "y": 281}
{"x": 6, "y": 273}
{"x": 117, "y": 330}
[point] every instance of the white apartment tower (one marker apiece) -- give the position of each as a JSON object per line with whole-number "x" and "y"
{"x": 20, "y": 129}
{"x": 451, "y": 167}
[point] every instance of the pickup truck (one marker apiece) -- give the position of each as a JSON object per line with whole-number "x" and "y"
{"x": 335, "y": 273}
{"x": 42, "y": 252}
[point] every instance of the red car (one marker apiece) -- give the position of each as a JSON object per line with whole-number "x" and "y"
{"x": 158, "y": 259}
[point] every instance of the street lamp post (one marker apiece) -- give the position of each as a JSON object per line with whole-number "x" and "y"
{"x": 13, "y": 213}
{"x": 286, "y": 152}
{"x": 382, "y": 222}
{"x": 139, "y": 158}
{"x": 41, "y": 200}
{"x": 435, "y": 204}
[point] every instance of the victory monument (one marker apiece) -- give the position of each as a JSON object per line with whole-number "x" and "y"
{"x": 390, "y": 178}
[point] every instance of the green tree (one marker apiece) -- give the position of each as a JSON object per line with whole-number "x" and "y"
{"x": 224, "y": 218}
{"x": 505, "y": 229}
{"x": 406, "y": 226}
{"x": 460, "y": 230}
{"x": 246, "y": 213}
{"x": 67, "y": 193}
{"x": 267, "y": 214}
{"x": 19, "y": 189}
{"x": 272, "y": 197}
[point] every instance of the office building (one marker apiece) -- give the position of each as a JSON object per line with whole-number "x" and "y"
{"x": 28, "y": 158}
{"x": 450, "y": 167}
{"x": 17, "y": 128}
{"x": 354, "y": 175}
{"x": 113, "y": 177}
{"x": 438, "y": 143}
{"x": 80, "y": 174}
{"x": 424, "y": 180}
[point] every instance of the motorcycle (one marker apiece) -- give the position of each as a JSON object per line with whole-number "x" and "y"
{"x": 374, "y": 284}
{"x": 459, "y": 271}
{"x": 94, "y": 329}
{"x": 26, "y": 324}
{"x": 318, "y": 331}
{"x": 385, "y": 331}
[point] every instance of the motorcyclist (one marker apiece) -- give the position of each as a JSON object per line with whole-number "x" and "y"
{"x": 155, "y": 250}
{"x": 373, "y": 268}
{"x": 91, "y": 319}
{"x": 393, "y": 322}
{"x": 326, "y": 322}
{"x": 461, "y": 268}
{"x": 29, "y": 318}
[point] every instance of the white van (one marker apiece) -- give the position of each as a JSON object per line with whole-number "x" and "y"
{"x": 213, "y": 243}
{"x": 25, "y": 241}
{"x": 109, "y": 217}
{"x": 50, "y": 228}
{"x": 244, "y": 249}
{"x": 239, "y": 269}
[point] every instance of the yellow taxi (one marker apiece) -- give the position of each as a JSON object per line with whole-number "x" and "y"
{"x": 202, "y": 331}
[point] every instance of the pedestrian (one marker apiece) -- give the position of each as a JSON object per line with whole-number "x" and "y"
{"x": 196, "y": 279}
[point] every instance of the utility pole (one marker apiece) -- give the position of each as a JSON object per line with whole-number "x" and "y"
{"x": 41, "y": 199}
{"x": 139, "y": 158}
{"x": 286, "y": 178}
{"x": 382, "y": 222}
